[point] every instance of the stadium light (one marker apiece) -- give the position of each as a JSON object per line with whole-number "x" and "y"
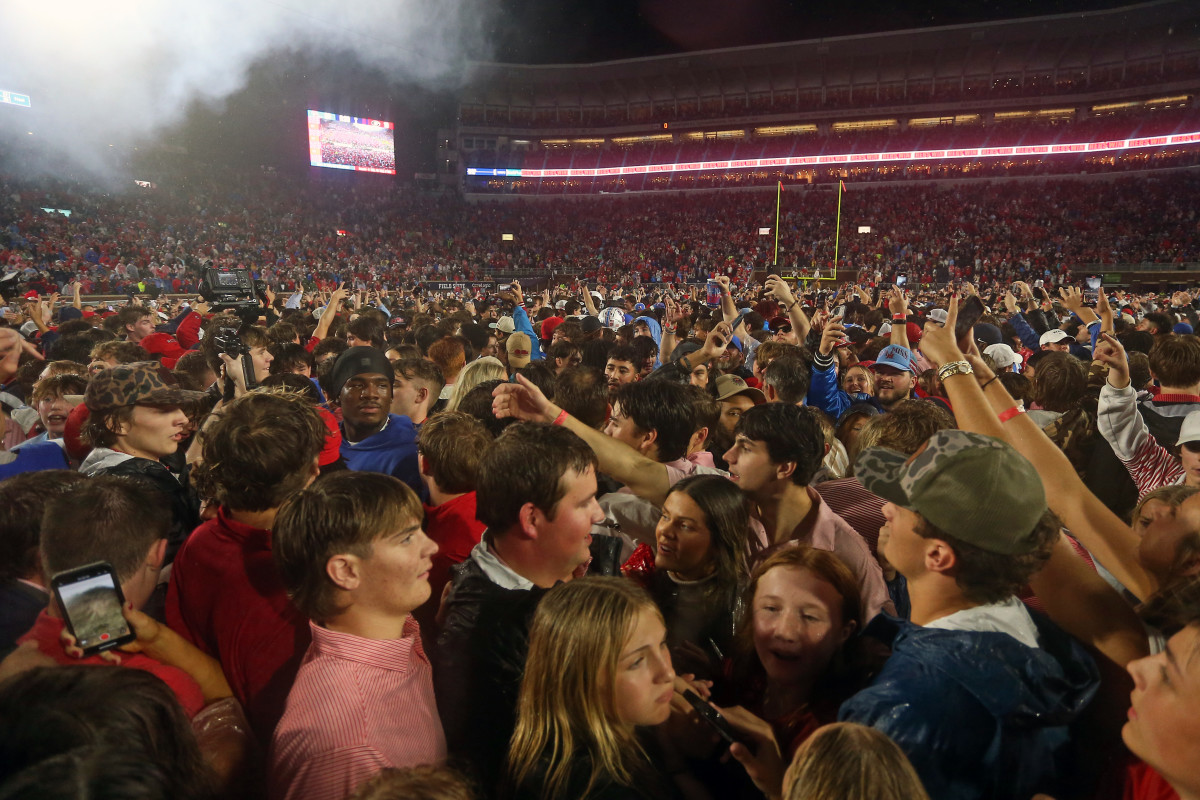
{"x": 864, "y": 228}
{"x": 506, "y": 237}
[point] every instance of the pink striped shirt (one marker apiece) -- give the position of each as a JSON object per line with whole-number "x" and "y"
{"x": 357, "y": 706}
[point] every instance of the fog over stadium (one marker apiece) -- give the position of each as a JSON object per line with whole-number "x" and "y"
{"x": 116, "y": 73}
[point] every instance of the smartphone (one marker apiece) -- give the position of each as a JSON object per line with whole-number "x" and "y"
{"x": 901, "y": 279}
{"x": 713, "y": 718}
{"x": 969, "y": 312}
{"x": 91, "y": 600}
{"x": 738, "y": 320}
{"x": 504, "y": 287}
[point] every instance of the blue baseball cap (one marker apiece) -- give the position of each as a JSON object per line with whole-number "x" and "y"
{"x": 640, "y": 307}
{"x": 895, "y": 356}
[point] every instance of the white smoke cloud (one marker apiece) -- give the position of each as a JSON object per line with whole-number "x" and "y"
{"x": 120, "y": 70}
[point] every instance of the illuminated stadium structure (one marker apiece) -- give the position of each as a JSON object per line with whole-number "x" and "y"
{"x": 1089, "y": 92}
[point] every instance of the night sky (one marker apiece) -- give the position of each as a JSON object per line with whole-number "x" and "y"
{"x": 263, "y": 123}
{"x": 579, "y": 31}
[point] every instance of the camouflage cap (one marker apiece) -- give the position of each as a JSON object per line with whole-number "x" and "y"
{"x": 973, "y": 487}
{"x": 136, "y": 384}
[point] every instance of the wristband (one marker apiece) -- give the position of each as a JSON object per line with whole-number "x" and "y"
{"x": 561, "y": 418}
{"x": 898, "y": 317}
{"x": 1005, "y": 416}
{"x": 988, "y": 382}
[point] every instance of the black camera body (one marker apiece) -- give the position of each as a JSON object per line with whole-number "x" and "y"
{"x": 226, "y": 287}
{"x": 229, "y": 342}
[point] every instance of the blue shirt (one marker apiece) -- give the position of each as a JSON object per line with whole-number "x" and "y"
{"x": 392, "y": 451}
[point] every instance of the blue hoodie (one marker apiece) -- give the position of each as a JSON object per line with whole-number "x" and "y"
{"x": 655, "y": 333}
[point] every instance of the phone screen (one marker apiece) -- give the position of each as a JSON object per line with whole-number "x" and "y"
{"x": 91, "y": 601}
{"x": 969, "y": 312}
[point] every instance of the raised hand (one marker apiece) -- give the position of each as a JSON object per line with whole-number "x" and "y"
{"x": 522, "y": 400}
{"x": 938, "y": 343}
{"x": 1071, "y": 297}
{"x": 833, "y": 333}
{"x": 1112, "y": 354}
{"x": 777, "y": 287}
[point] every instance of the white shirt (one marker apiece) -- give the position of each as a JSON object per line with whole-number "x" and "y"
{"x": 1010, "y": 616}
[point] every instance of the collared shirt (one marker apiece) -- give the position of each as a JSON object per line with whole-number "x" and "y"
{"x": 358, "y": 706}
{"x": 823, "y": 529}
{"x": 494, "y": 567}
{"x": 1008, "y": 616}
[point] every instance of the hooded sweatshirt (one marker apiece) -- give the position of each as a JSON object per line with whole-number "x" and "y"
{"x": 655, "y": 333}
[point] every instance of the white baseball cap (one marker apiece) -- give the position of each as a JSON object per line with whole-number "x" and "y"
{"x": 938, "y": 315}
{"x": 1190, "y": 430}
{"x": 1053, "y": 336}
{"x": 1003, "y": 355}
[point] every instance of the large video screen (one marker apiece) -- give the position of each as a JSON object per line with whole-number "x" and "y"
{"x": 342, "y": 142}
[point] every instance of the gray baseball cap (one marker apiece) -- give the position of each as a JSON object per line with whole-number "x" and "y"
{"x": 973, "y": 487}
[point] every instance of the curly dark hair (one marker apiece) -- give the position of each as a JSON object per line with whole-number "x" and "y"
{"x": 985, "y": 577}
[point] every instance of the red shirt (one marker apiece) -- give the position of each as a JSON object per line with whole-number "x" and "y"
{"x": 46, "y": 631}
{"x": 454, "y": 527}
{"x": 227, "y": 598}
{"x": 1143, "y": 783}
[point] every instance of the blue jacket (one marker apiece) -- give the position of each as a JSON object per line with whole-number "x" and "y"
{"x": 521, "y": 323}
{"x": 981, "y": 715}
{"x": 824, "y": 392}
{"x": 392, "y": 451}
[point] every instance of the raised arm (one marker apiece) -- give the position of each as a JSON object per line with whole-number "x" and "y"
{"x": 1099, "y": 530}
{"x": 898, "y": 304}
{"x": 644, "y": 477}
{"x": 1075, "y": 597}
{"x": 779, "y": 289}
{"x": 330, "y": 312}
{"x": 588, "y": 303}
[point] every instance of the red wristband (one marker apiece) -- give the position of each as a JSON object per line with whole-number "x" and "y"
{"x": 561, "y": 418}
{"x": 898, "y": 317}
{"x": 1005, "y": 416}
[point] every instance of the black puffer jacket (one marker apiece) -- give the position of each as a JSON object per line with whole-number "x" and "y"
{"x": 478, "y": 664}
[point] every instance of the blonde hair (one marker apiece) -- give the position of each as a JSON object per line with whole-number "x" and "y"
{"x": 478, "y": 371}
{"x": 850, "y": 760}
{"x": 566, "y": 702}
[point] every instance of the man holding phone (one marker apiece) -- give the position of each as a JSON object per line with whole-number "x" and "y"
{"x": 113, "y": 523}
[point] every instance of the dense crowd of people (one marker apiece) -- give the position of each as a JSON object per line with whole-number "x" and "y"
{"x": 615, "y": 545}
{"x": 291, "y": 233}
